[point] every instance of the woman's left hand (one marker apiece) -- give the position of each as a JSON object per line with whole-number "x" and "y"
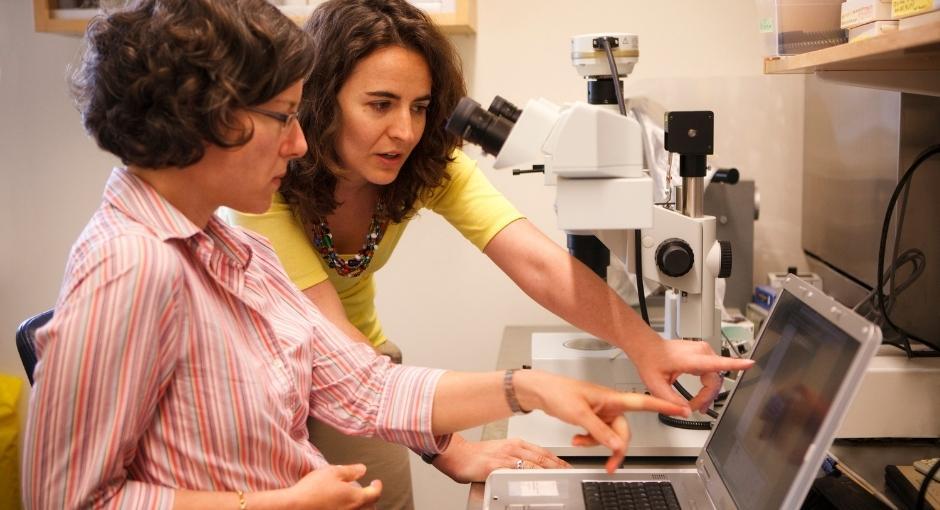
{"x": 466, "y": 461}
{"x": 660, "y": 362}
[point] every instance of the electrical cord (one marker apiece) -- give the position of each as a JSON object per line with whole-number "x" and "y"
{"x": 640, "y": 291}
{"x": 732, "y": 349}
{"x": 869, "y": 308}
{"x": 679, "y": 423}
{"x": 913, "y": 256}
{"x": 615, "y": 75}
{"x": 879, "y": 287}
{"x": 641, "y": 294}
{"x": 899, "y": 228}
{"x": 638, "y": 252}
{"x": 922, "y": 493}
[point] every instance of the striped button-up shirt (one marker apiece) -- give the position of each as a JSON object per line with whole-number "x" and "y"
{"x": 181, "y": 357}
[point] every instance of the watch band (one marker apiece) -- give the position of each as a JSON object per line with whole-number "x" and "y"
{"x": 510, "y": 391}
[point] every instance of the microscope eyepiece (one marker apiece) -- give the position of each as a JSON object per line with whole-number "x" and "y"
{"x": 478, "y": 126}
{"x": 726, "y": 175}
{"x": 503, "y": 108}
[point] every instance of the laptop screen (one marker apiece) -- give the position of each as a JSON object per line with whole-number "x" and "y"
{"x": 780, "y": 403}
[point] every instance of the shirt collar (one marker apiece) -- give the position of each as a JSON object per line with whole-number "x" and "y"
{"x": 138, "y": 200}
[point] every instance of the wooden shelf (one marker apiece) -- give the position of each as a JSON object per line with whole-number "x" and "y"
{"x": 912, "y": 49}
{"x": 73, "y": 21}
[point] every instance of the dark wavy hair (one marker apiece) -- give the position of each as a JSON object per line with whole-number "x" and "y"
{"x": 344, "y": 32}
{"x": 161, "y": 78}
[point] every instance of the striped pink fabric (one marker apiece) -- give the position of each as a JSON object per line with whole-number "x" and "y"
{"x": 185, "y": 358}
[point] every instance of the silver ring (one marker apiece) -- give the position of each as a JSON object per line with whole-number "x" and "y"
{"x": 520, "y": 463}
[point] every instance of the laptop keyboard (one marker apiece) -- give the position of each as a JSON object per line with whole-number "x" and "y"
{"x": 622, "y": 495}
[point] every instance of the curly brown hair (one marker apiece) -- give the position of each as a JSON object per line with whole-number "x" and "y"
{"x": 344, "y": 32}
{"x": 161, "y": 78}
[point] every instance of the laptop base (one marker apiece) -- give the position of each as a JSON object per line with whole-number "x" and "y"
{"x": 561, "y": 489}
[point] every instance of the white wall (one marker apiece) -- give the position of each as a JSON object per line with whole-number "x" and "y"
{"x": 441, "y": 300}
{"x": 51, "y": 175}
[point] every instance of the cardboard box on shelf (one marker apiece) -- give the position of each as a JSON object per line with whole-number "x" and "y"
{"x": 873, "y": 29}
{"x": 920, "y": 19}
{"x": 904, "y": 8}
{"x": 859, "y": 12}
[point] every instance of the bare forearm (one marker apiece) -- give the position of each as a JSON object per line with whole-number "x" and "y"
{"x": 467, "y": 399}
{"x": 463, "y": 400}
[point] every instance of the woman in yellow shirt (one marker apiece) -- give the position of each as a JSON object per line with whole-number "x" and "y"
{"x": 384, "y": 81}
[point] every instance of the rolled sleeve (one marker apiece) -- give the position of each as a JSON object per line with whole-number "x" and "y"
{"x": 361, "y": 393}
{"x": 407, "y": 407}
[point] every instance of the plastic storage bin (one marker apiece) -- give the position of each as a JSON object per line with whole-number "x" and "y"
{"x": 790, "y": 27}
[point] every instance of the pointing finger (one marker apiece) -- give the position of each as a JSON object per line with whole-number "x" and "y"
{"x": 639, "y": 402}
{"x": 712, "y": 363}
{"x": 600, "y": 431}
{"x": 621, "y": 428}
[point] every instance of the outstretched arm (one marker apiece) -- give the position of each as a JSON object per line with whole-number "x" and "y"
{"x": 566, "y": 287}
{"x": 464, "y": 399}
{"x": 463, "y": 461}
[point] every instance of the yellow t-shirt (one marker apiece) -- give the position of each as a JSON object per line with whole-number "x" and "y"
{"x": 467, "y": 201}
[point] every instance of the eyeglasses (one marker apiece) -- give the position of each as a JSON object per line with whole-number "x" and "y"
{"x": 284, "y": 118}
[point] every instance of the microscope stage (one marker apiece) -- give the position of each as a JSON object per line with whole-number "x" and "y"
{"x": 581, "y": 356}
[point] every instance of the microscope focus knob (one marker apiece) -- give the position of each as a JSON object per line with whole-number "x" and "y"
{"x": 674, "y": 257}
{"x": 724, "y": 268}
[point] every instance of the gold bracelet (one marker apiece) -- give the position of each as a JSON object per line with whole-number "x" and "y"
{"x": 242, "y": 502}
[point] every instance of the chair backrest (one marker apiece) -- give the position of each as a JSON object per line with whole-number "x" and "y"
{"x": 26, "y": 340}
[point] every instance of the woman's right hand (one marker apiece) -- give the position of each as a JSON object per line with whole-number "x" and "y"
{"x": 335, "y": 487}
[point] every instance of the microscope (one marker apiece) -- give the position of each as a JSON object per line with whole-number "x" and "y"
{"x": 593, "y": 154}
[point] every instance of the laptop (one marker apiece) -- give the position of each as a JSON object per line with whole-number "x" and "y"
{"x": 770, "y": 440}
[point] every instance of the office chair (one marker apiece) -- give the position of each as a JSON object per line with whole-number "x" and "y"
{"x": 26, "y": 340}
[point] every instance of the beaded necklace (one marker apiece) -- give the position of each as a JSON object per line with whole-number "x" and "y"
{"x": 323, "y": 241}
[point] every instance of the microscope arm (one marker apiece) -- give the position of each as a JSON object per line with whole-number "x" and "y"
{"x": 691, "y": 311}
{"x": 566, "y": 287}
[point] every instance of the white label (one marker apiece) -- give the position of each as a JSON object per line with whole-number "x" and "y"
{"x": 548, "y": 488}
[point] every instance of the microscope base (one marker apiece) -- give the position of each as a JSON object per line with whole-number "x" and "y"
{"x": 581, "y": 356}
{"x": 650, "y": 438}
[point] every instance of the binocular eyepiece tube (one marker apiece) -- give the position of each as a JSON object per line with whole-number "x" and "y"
{"x": 488, "y": 129}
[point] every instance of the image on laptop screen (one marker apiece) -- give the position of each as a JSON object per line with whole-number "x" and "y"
{"x": 780, "y": 403}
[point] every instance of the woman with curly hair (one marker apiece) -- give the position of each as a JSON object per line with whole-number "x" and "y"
{"x": 181, "y": 363}
{"x": 384, "y": 81}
